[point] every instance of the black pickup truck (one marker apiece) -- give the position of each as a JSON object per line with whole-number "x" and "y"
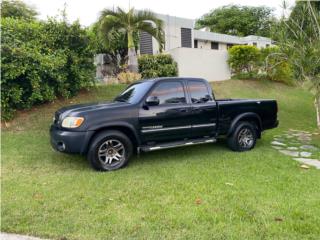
{"x": 156, "y": 114}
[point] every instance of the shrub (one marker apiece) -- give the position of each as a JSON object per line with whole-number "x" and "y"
{"x": 40, "y": 61}
{"x": 248, "y": 62}
{"x": 276, "y": 66}
{"x": 160, "y": 65}
{"x": 246, "y": 75}
{"x": 243, "y": 58}
{"x": 128, "y": 77}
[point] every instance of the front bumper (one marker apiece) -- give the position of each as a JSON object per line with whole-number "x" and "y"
{"x": 69, "y": 141}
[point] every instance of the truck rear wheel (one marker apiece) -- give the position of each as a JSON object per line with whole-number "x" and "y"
{"x": 109, "y": 150}
{"x": 243, "y": 138}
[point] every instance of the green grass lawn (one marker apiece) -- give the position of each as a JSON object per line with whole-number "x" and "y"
{"x": 196, "y": 192}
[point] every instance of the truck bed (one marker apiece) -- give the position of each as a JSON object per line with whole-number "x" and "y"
{"x": 228, "y": 109}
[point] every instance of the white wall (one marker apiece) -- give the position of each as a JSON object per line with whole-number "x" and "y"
{"x": 261, "y": 44}
{"x": 172, "y": 30}
{"x": 223, "y": 46}
{"x": 209, "y": 64}
{"x": 204, "y": 44}
{"x": 207, "y": 45}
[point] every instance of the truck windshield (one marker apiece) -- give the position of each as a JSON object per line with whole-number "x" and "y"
{"x": 134, "y": 92}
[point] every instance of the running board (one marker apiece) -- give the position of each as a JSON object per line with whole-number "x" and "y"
{"x": 178, "y": 144}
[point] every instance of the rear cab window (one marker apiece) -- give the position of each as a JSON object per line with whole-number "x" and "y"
{"x": 199, "y": 92}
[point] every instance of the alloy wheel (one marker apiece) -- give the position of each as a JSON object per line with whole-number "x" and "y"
{"x": 245, "y": 138}
{"x": 111, "y": 152}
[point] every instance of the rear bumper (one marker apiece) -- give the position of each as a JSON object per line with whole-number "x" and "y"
{"x": 68, "y": 141}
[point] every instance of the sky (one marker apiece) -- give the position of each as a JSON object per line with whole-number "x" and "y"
{"x": 88, "y": 11}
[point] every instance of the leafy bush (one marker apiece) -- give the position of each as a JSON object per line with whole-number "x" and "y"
{"x": 247, "y": 75}
{"x": 40, "y": 61}
{"x": 243, "y": 58}
{"x": 160, "y": 65}
{"x": 249, "y": 62}
{"x": 276, "y": 65}
{"x": 128, "y": 77}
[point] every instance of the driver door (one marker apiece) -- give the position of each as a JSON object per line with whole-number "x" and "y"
{"x": 169, "y": 118}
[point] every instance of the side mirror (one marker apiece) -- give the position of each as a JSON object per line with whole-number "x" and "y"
{"x": 152, "y": 101}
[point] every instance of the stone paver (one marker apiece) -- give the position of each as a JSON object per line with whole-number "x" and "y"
{"x": 278, "y": 143}
{"x": 296, "y": 144}
{"x": 292, "y": 148}
{"x": 309, "y": 147}
{"x": 11, "y": 236}
{"x": 309, "y": 161}
{"x": 277, "y": 147}
{"x": 290, "y": 153}
{"x": 305, "y": 154}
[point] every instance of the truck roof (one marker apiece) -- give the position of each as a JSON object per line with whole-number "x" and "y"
{"x": 166, "y": 78}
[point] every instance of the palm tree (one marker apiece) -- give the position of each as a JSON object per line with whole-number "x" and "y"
{"x": 130, "y": 23}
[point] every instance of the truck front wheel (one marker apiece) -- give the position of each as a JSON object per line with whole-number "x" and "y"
{"x": 243, "y": 138}
{"x": 109, "y": 150}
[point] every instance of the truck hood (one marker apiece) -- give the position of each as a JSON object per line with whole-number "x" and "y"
{"x": 82, "y": 109}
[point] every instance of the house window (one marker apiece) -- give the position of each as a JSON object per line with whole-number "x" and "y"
{"x": 195, "y": 43}
{"x": 214, "y": 45}
{"x": 186, "y": 37}
{"x": 145, "y": 43}
{"x": 254, "y": 44}
{"x": 229, "y": 45}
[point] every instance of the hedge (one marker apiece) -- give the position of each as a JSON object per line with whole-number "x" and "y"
{"x": 160, "y": 65}
{"x": 41, "y": 61}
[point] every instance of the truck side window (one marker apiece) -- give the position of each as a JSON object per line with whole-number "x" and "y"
{"x": 199, "y": 92}
{"x": 169, "y": 93}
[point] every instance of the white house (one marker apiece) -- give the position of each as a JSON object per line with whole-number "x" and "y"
{"x": 199, "y": 53}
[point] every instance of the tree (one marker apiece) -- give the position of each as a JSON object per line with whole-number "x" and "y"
{"x": 17, "y": 9}
{"x": 115, "y": 47}
{"x": 239, "y": 20}
{"x": 131, "y": 23}
{"x": 299, "y": 41}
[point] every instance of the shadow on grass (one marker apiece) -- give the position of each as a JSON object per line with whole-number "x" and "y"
{"x": 191, "y": 154}
{"x": 79, "y": 162}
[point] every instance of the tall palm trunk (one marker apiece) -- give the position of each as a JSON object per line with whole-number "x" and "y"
{"x": 132, "y": 54}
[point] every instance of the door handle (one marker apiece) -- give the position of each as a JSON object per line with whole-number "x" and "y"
{"x": 183, "y": 110}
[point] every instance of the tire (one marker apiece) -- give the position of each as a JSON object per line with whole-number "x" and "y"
{"x": 109, "y": 150}
{"x": 243, "y": 138}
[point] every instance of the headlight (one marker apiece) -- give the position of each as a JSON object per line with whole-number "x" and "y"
{"x": 72, "y": 122}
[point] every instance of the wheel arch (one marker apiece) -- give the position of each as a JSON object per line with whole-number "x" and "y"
{"x": 249, "y": 117}
{"x": 126, "y": 129}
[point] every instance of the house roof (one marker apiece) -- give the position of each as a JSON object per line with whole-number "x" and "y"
{"x": 219, "y": 37}
{"x": 216, "y": 37}
{"x": 206, "y": 35}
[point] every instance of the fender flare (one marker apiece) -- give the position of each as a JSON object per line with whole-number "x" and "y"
{"x": 238, "y": 118}
{"x": 118, "y": 124}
